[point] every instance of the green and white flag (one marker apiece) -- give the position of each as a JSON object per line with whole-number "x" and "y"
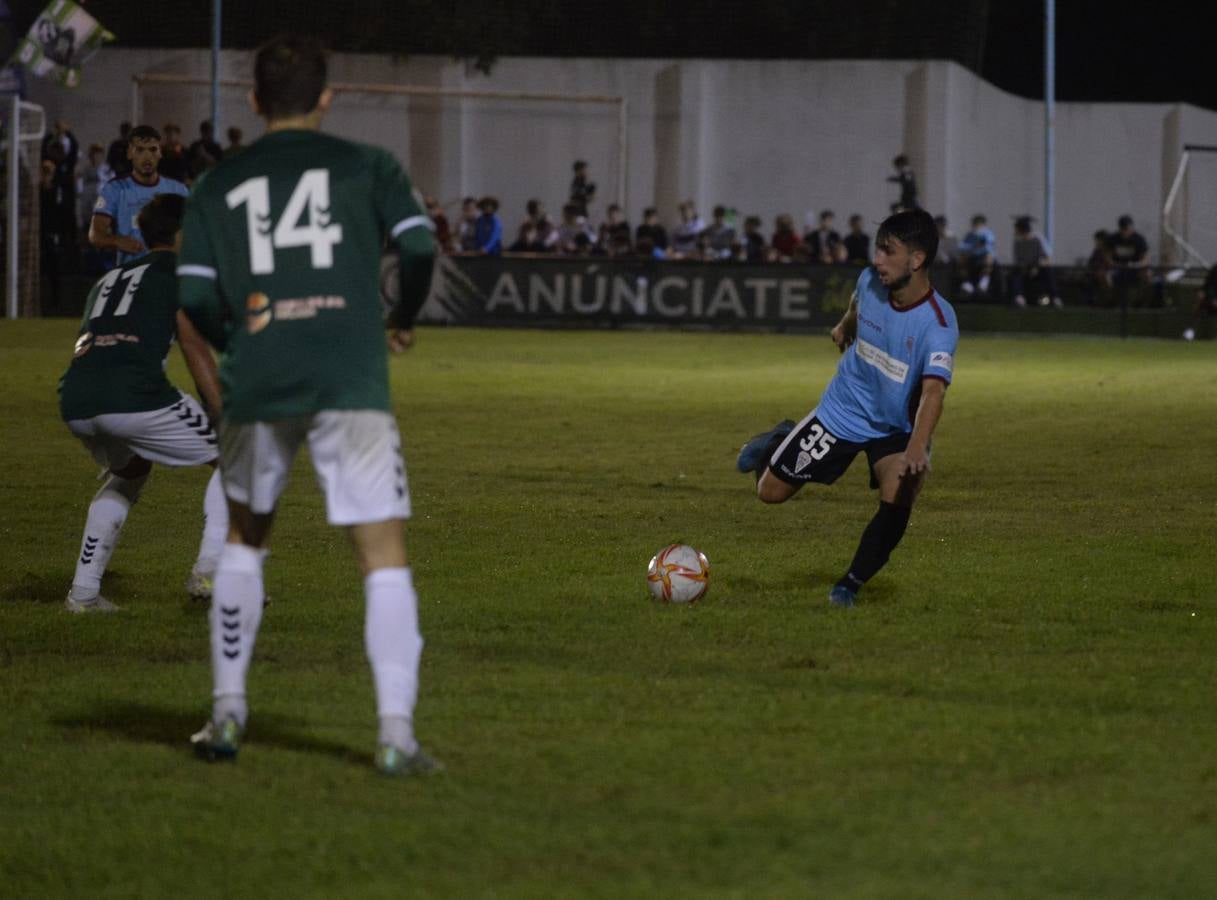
{"x": 60, "y": 42}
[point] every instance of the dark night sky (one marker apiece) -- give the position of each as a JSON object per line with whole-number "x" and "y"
{"x": 1155, "y": 52}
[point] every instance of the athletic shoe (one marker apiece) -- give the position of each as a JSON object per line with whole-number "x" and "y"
{"x": 968, "y": 288}
{"x": 1189, "y": 334}
{"x": 840, "y": 595}
{"x": 95, "y": 604}
{"x": 395, "y": 762}
{"x": 752, "y": 454}
{"x": 1020, "y": 301}
{"x": 217, "y": 743}
{"x": 198, "y": 586}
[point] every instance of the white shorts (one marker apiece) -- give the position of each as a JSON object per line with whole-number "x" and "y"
{"x": 177, "y": 435}
{"x": 356, "y": 455}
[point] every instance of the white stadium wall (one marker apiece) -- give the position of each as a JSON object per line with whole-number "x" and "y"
{"x": 765, "y": 137}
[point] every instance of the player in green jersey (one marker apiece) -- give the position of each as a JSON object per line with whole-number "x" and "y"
{"x": 116, "y": 399}
{"x": 280, "y": 270}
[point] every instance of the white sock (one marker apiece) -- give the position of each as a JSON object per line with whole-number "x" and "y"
{"x": 236, "y": 612}
{"x": 984, "y": 283}
{"x": 394, "y": 648}
{"x": 215, "y": 526}
{"x": 107, "y": 513}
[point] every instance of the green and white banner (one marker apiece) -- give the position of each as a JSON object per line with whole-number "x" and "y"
{"x": 62, "y": 40}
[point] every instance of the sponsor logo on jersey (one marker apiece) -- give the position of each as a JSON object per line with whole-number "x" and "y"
{"x": 888, "y": 366}
{"x": 870, "y": 323}
{"x": 943, "y": 360}
{"x": 802, "y": 462}
{"x": 257, "y": 312}
{"x": 307, "y": 307}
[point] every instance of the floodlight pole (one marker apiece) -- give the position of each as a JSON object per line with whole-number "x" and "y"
{"x": 1049, "y": 114}
{"x": 14, "y": 206}
{"x": 216, "y": 11}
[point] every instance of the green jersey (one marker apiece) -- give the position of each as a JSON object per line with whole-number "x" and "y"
{"x": 280, "y": 269}
{"x": 129, "y": 324}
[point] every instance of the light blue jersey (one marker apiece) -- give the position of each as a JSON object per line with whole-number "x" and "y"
{"x": 878, "y": 382}
{"x": 122, "y": 198}
{"x": 978, "y": 243}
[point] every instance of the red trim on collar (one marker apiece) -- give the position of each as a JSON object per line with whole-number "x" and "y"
{"x": 903, "y": 309}
{"x": 141, "y": 184}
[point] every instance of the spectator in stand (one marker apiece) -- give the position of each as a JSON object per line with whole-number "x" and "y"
{"x": 786, "y": 241}
{"x": 466, "y": 239}
{"x": 719, "y": 235}
{"x": 443, "y": 231}
{"x": 615, "y": 233}
{"x": 1032, "y": 269}
{"x": 174, "y": 163}
{"x": 684, "y": 235}
{"x": 487, "y": 229}
{"x": 753, "y": 243}
{"x": 1206, "y": 304}
{"x": 61, "y": 148}
{"x": 651, "y": 230}
{"x": 94, "y": 172}
{"x": 1098, "y": 268}
{"x": 1129, "y": 254}
{"x": 948, "y": 244}
{"x": 907, "y": 181}
{"x": 824, "y": 244}
{"x": 582, "y": 189}
{"x": 116, "y": 155}
{"x": 49, "y": 235}
{"x": 204, "y": 153}
{"x": 573, "y": 225}
{"x": 856, "y": 243}
{"x": 978, "y": 252}
{"x": 235, "y": 135}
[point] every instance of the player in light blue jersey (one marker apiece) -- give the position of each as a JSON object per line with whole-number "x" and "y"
{"x": 114, "y": 226}
{"x": 898, "y": 339}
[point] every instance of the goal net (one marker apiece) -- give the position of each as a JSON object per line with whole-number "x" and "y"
{"x": 23, "y": 126}
{"x": 446, "y": 137}
{"x": 1189, "y": 216}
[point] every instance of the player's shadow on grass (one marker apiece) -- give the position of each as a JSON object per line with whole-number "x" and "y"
{"x": 45, "y": 588}
{"x": 814, "y": 585}
{"x": 146, "y": 724}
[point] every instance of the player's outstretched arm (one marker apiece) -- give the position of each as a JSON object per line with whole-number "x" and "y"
{"x": 102, "y": 236}
{"x": 416, "y": 256}
{"x": 845, "y": 331}
{"x": 201, "y": 364}
{"x": 929, "y": 411}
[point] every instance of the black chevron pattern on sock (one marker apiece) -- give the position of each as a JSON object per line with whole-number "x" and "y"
{"x": 232, "y": 654}
{"x": 232, "y": 639}
{"x": 230, "y": 610}
{"x": 89, "y": 550}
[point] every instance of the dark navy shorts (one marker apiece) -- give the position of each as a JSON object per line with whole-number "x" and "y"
{"x": 812, "y": 453}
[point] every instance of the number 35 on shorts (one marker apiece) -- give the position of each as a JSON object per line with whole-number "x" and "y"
{"x": 817, "y": 442}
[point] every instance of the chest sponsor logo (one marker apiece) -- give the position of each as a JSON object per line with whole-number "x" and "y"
{"x": 257, "y": 312}
{"x": 942, "y": 360}
{"x": 888, "y": 366}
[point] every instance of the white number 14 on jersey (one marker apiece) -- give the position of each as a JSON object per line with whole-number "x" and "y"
{"x": 310, "y": 200}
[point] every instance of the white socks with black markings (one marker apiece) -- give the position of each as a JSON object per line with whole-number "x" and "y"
{"x": 107, "y": 513}
{"x": 215, "y": 526}
{"x": 394, "y": 648}
{"x": 236, "y": 613}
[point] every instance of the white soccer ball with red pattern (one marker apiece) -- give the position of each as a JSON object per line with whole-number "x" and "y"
{"x": 679, "y": 574}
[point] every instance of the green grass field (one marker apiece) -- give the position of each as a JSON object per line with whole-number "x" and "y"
{"x": 1021, "y": 706}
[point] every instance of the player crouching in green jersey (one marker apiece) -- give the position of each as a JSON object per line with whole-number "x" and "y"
{"x": 280, "y": 269}
{"x": 116, "y": 399}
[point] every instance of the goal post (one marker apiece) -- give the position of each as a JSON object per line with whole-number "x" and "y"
{"x": 1191, "y": 228}
{"x": 476, "y": 102}
{"x": 24, "y": 129}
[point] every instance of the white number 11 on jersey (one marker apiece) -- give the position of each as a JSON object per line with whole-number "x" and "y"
{"x": 310, "y": 200}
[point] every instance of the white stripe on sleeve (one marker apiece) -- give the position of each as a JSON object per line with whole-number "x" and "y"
{"x": 412, "y": 222}
{"x": 198, "y": 271}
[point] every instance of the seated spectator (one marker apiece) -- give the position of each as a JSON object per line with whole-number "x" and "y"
{"x": 1206, "y": 304}
{"x": 173, "y": 163}
{"x": 651, "y": 230}
{"x": 978, "y": 255}
{"x": 615, "y": 233}
{"x": 1129, "y": 254}
{"x": 786, "y": 241}
{"x": 645, "y": 246}
{"x": 1098, "y": 268}
{"x": 753, "y": 243}
{"x": 569, "y": 230}
{"x": 466, "y": 231}
{"x": 684, "y": 235}
{"x": 487, "y": 229}
{"x": 718, "y": 235}
{"x": 856, "y": 243}
{"x": 536, "y": 233}
{"x": 443, "y": 231}
{"x": 1032, "y": 269}
{"x": 235, "y": 146}
{"x": 948, "y": 244}
{"x": 824, "y": 243}
{"x": 204, "y": 153}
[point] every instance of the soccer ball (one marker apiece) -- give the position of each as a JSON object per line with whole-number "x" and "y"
{"x": 678, "y": 574}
